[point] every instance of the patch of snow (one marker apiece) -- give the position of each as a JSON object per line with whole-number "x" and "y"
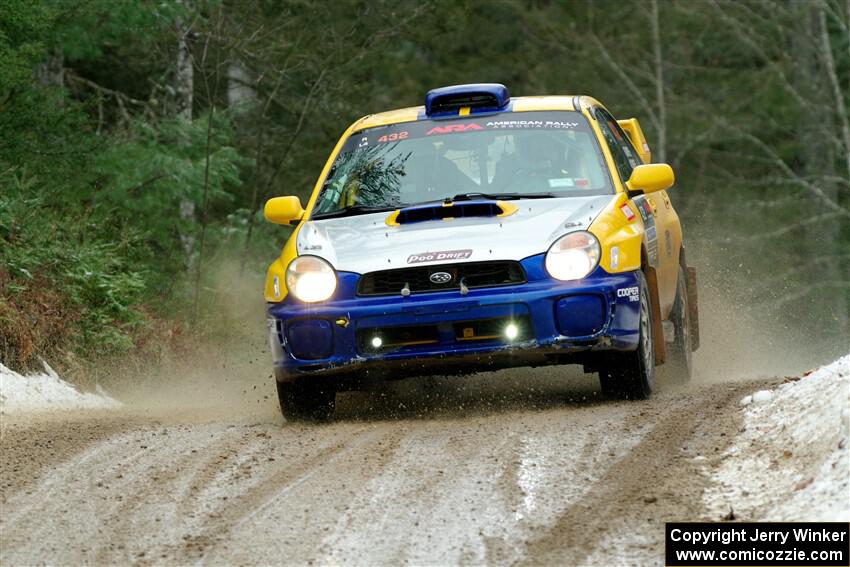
{"x": 746, "y": 400}
{"x": 791, "y": 461}
{"x": 46, "y": 391}
{"x": 762, "y": 396}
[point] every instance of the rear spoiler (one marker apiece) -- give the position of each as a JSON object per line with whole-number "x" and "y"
{"x": 633, "y": 130}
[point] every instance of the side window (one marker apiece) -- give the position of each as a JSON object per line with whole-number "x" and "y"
{"x": 626, "y": 142}
{"x": 624, "y": 154}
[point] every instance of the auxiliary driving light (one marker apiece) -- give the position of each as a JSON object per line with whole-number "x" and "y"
{"x": 511, "y": 331}
{"x": 377, "y": 342}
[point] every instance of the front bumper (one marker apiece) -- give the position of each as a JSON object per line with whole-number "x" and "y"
{"x": 446, "y": 332}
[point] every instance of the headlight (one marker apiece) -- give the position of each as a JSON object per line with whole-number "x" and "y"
{"x": 573, "y": 256}
{"x": 310, "y": 279}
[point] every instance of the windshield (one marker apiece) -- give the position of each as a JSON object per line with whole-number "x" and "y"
{"x": 508, "y": 155}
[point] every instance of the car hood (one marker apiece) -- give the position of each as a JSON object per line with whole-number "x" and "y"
{"x": 365, "y": 243}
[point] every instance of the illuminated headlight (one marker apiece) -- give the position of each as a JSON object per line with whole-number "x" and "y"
{"x": 310, "y": 279}
{"x": 573, "y": 256}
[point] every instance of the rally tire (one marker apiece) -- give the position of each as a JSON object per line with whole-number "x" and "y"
{"x": 306, "y": 399}
{"x": 631, "y": 375}
{"x": 680, "y": 352}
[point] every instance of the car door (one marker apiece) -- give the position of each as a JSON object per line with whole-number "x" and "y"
{"x": 663, "y": 234}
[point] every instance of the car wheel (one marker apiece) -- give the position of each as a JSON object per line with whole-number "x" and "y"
{"x": 680, "y": 352}
{"x": 306, "y": 399}
{"x": 630, "y": 375}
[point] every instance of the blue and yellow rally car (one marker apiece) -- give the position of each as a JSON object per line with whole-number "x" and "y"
{"x": 480, "y": 232}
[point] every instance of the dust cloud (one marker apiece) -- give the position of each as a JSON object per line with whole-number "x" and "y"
{"x": 222, "y": 369}
{"x": 742, "y": 339}
{"x": 228, "y": 372}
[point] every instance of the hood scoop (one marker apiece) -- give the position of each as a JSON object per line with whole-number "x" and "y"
{"x": 450, "y": 211}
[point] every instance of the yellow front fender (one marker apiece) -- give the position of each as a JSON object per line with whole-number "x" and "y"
{"x": 619, "y": 235}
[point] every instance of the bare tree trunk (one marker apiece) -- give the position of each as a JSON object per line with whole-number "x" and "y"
{"x": 240, "y": 92}
{"x": 813, "y": 77}
{"x": 51, "y": 73}
{"x": 184, "y": 76}
{"x": 204, "y": 212}
{"x": 832, "y": 75}
{"x": 255, "y": 202}
{"x": 184, "y": 84}
{"x": 659, "y": 84}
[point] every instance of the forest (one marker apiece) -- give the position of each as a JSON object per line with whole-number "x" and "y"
{"x": 140, "y": 139}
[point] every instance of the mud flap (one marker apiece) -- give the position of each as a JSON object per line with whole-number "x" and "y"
{"x": 657, "y": 330}
{"x": 693, "y": 307}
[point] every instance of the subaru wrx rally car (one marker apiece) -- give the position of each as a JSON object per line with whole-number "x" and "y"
{"x": 480, "y": 232}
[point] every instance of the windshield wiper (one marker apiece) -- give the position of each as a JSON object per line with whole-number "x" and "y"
{"x": 351, "y": 211}
{"x": 500, "y": 196}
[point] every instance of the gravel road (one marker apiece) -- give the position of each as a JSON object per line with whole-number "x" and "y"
{"x": 490, "y": 470}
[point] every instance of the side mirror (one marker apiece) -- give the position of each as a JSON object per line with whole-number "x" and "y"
{"x": 283, "y": 210}
{"x": 651, "y": 177}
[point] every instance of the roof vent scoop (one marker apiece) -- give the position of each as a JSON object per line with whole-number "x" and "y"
{"x": 450, "y": 211}
{"x": 481, "y": 97}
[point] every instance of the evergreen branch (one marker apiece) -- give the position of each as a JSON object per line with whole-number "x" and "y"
{"x": 780, "y": 163}
{"x": 74, "y": 78}
{"x": 145, "y": 183}
{"x": 834, "y": 13}
{"x": 626, "y": 80}
{"x": 786, "y": 229}
{"x": 840, "y": 259}
{"x": 805, "y": 290}
{"x": 746, "y": 37}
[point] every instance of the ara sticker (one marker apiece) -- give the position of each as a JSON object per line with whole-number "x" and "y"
{"x": 633, "y": 293}
{"x": 437, "y": 256}
{"x": 448, "y": 129}
{"x": 627, "y": 211}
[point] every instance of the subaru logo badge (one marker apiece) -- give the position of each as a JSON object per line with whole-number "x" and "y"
{"x": 440, "y": 277}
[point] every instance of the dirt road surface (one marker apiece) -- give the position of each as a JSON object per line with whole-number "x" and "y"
{"x": 491, "y": 470}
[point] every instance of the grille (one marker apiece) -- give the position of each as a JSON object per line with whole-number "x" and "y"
{"x": 473, "y": 274}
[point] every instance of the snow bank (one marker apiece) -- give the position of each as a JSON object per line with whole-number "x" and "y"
{"x": 791, "y": 460}
{"x": 45, "y": 391}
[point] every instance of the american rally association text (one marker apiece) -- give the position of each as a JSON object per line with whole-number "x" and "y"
{"x": 755, "y": 534}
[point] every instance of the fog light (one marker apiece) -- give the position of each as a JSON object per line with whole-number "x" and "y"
{"x": 377, "y": 342}
{"x": 511, "y": 331}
